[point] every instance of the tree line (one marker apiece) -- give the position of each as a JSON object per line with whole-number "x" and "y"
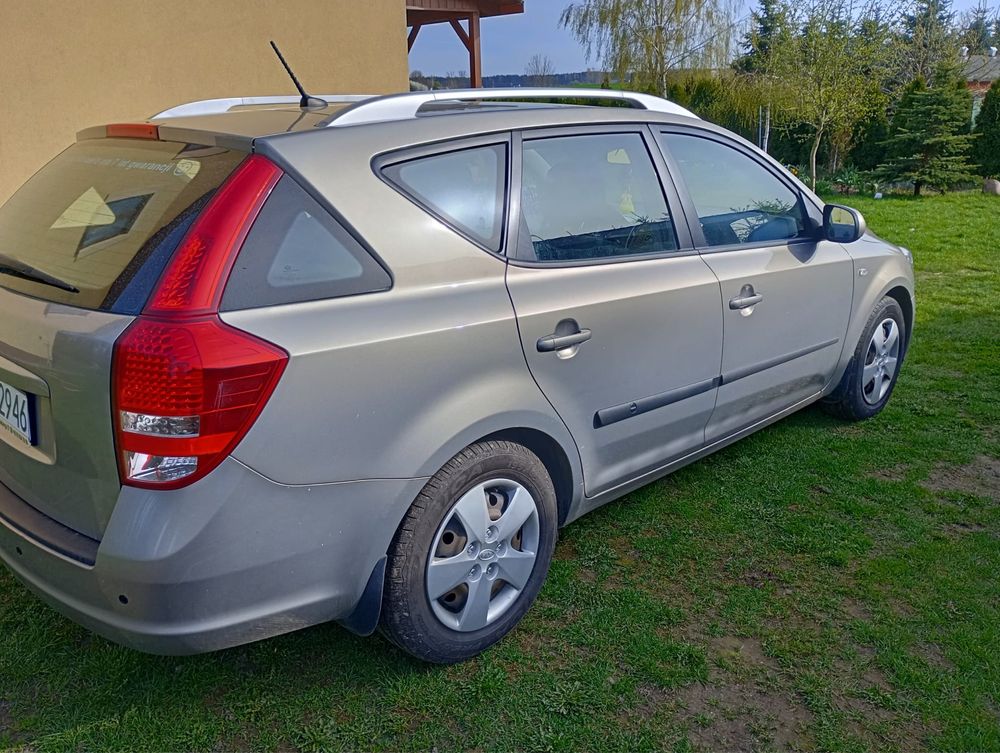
{"x": 863, "y": 92}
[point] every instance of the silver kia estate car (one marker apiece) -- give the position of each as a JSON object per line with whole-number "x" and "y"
{"x": 264, "y": 366}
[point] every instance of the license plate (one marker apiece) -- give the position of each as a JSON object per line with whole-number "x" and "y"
{"x": 15, "y": 413}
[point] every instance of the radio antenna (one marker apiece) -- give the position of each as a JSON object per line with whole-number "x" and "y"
{"x": 306, "y": 101}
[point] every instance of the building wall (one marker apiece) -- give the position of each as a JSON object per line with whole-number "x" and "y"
{"x": 69, "y": 64}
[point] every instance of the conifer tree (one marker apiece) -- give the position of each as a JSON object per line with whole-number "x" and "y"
{"x": 987, "y": 146}
{"x": 929, "y": 141}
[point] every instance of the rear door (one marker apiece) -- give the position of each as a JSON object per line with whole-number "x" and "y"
{"x": 786, "y": 294}
{"x": 619, "y": 319}
{"x": 81, "y": 247}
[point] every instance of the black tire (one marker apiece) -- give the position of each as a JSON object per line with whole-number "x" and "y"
{"x": 848, "y": 402}
{"x": 407, "y": 619}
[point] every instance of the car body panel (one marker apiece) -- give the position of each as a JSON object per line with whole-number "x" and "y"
{"x": 369, "y": 381}
{"x": 62, "y": 356}
{"x": 786, "y": 347}
{"x": 879, "y": 268}
{"x": 231, "y": 559}
{"x": 639, "y": 350}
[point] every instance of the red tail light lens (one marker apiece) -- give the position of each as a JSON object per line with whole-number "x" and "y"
{"x": 186, "y": 386}
{"x": 194, "y": 281}
{"x": 186, "y": 393}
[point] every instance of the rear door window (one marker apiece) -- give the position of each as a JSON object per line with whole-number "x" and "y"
{"x": 464, "y": 188}
{"x": 297, "y": 251}
{"x": 100, "y": 221}
{"x": 592, "y": 197}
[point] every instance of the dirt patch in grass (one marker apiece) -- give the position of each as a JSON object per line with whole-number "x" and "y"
{"x": 747, "y": 651}
{"x": 961, "y": 529}
{"x": 740, "y": 706}
{"x": 897, "y": 473}
{"x": 565, "y": 551}
{"x": 856, "y": 610}
{"x": 934, "y": 656}
{"x": 757, "y": 578}
{"x": 7, "y": 731}
{"x": 744, "y": 715}
{"x": 981, "y": 477}
{"x": 875, "y": 678}
{"x": 879, "y": 728}
{"x": 900, "y": 608}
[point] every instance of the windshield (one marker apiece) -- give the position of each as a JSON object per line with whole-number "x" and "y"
{"x": 95, "y": 227}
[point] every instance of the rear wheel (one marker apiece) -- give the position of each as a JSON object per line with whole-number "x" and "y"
{"x": 471, "y": 554}
{"x": 871, "y": 375}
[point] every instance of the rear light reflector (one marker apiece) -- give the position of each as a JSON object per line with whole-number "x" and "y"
{"x": 132, "y": 131}
{"x": 187, "y": 386}
{"x": 161, "y": 426}
{"x": 185, "y": 393}
{"x": 156, "y": 471}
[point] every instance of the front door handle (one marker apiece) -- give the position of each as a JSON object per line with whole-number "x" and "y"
{"x": 553, "y": 342}
{"x": 745, "y": 299}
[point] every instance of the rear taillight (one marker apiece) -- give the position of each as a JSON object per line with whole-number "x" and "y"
{"x": 186, "y": 386}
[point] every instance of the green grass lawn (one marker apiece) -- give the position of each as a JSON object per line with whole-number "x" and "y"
{"x": 818, "y": 586}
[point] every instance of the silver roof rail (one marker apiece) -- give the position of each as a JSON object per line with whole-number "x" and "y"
{"x": 217, "y": 106}
{"x": 403, "y": 106}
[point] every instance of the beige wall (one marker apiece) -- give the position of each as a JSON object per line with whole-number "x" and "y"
{"x": 69, "y": 64}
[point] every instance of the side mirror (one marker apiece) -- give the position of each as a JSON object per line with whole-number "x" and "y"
{"x": 842, "y": 224}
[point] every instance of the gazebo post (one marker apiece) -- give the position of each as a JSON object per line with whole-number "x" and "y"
{"x": 470, "y": 39}
{"x": 475, "y": 53}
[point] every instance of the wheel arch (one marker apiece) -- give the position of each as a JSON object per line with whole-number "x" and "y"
{"x": 888, "y": 282}
{"x": 902, "y": 296}
{"x": 553, "y": 457}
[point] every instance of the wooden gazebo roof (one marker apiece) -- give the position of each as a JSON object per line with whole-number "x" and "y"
{"x": 438, "y": 11}
{"x": 424, "y": 12}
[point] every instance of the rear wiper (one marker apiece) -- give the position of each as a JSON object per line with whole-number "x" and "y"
{"x": 15, "y": 268}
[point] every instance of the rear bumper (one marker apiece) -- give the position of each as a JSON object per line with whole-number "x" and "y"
{"x": 231, "y": 559}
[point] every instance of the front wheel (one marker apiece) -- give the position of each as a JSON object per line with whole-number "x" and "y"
{"x": 871, "y": 375}
{"x": 471, "y": 554}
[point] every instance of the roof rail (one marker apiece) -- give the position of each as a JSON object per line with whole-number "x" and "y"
{"x": 402, "y": 106}
{"x": 217, "y": 106}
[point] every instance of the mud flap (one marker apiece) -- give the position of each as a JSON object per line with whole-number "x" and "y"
{"x": 364, "y": 619}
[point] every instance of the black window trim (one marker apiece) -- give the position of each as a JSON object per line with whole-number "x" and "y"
{"x": 409, "y": 154}
{"x": 691, "y": 212}
{"x": 516, "y": 253}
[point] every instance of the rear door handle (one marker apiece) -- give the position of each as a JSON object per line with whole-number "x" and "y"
{"x": 745, "y": 299}
{"x": 553, "y": 342}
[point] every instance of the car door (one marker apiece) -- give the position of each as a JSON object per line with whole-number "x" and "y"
{"x": 786, "y": 293}
{"x": 619, "y": 318}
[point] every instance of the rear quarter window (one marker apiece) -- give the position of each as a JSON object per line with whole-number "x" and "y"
{"x": 464, "y": 188}
{"x": 297, "y": 251}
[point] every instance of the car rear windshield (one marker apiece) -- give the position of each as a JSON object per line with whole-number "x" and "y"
{"x": 96, "y": 226}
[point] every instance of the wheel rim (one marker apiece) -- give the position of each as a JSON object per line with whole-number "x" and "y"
{"x": 483, "y": 555}
{"x": 881, "y": 361}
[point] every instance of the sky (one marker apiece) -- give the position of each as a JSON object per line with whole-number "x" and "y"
{"x": 509, "y": 41}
